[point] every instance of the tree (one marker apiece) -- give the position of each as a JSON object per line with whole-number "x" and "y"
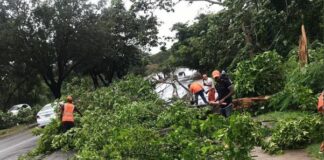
{"x": 47, "y": 38}
{"x": 118, "y": 38}
{"x": 244, "y": 29}
{"x": 18, "y": 80}
{"x": 58, "y": 37}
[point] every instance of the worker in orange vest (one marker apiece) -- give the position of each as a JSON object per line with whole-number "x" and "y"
{"x": 320, "y": 108}
{"x": 67, "y": 111}
{"x": 197, "y": 89}
{"x": 320, "y": 104}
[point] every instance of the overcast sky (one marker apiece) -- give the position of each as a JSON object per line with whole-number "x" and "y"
{"x": 185, "y": 12}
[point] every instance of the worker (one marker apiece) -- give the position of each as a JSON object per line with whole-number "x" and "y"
{"x": 67, "y": 111}
{"x": 320, "y": 104}
{"x": 197, "y": 89}
{"x": 225, "y": 92}
{"x": 209, "y": 83}
{"x": 320, "y": 108}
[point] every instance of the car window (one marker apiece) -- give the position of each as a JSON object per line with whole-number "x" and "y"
{"x": 47, "y": 107}
{"x": 15, "y": 107}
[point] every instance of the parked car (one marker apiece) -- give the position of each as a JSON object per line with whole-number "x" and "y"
{"x": 47, "y": 114}
{"x": 14, "y": 110}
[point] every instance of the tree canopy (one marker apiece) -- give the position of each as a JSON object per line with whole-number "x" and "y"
{"x": 55, "y": 38}
{"x": 243, "y": 29}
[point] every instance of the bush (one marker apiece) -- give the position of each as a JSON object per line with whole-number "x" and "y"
{"x": 294, "y": 97}
{"x": 47, "y": 136}
{"x": 7, "y": 120}
{"x": 263, "y": 75}
{"x": 302, "y": 83}
{"x": 24, "y": 116}
{"x": 296, "y": 133}
{"x": 240, "y": 137}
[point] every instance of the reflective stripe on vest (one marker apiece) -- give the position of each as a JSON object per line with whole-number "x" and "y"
{"x": 195, "y": 87}
{"x": 68, "y": 113}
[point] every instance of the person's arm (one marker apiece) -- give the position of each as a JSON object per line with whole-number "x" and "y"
{"x": 204, "y": 82}
{"x": 231, "y": 88}
{"x": 62, "y": 110}
{"x": 191, "y": 90}
{"x": 76, "y": 109}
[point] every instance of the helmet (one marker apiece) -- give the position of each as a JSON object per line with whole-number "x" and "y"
{"x": 216, "y": 73}
{"x": 69, "y": 99}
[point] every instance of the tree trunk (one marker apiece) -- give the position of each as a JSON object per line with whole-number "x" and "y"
{"x": 56, "y": 90}
{"x": 54, "y": 86}
{"x": 102, "y": 80}
{"x": 248, "y": 40}
{"x": 109, "y": 75}
{"x": 94, "y": 80}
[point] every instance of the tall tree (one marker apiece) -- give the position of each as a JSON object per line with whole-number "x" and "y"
{"x": 119, "y": 36}
{"x": 17, "y": 79}
{"x": 58, "y": 37}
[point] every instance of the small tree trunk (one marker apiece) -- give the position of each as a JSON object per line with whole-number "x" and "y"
{"x": 56, "y": 90}
{"x": 94, "y": 80}
{"x": 248, "y": 40}
{"x": 102, "y": 80}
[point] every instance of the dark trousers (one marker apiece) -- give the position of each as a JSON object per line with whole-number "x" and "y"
{"x": 201, "y": 94}
{"x": 226, "y": 110}
{"x": 67, "y": 126}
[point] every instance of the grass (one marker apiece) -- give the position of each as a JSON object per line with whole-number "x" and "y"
{"x": 313, "y": 151}
{"x": 12, "y": 130}
{"x": 273, "y": 117}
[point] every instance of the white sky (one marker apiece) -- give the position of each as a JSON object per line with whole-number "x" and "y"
{"x": 185, "y": 12}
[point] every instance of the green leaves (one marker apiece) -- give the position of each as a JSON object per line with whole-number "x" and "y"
{"x": 240, "y": 137}
{"x": 301, "y": 83}
{"x": 263, "y": 75}
{"x": 24, "y": 116}
{"x": 296, "y": 133}
{"x": 127, "y": 121}
{"x": 294, "y": 97}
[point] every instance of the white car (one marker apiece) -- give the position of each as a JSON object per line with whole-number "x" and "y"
{"x": 14, "y": 110}
{"x": 47, "y": 114}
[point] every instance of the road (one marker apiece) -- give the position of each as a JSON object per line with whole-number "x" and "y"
{"x": 14, "y": 146}
{"x": 299, "y": 154}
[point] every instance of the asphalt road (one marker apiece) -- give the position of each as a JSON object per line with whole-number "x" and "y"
{"x": 13, "y": 146}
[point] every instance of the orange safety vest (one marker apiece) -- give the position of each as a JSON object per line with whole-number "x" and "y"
{"x": 68, "y": 113}
{"x": 195, "y": 87}
{"x": 320, "y": 102}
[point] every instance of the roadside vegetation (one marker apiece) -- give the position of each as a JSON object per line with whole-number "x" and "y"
{"x": 26, "y": 116}
{"x": 137, "y": 124}
{"x": 13, "y": 130}
{"x": 313, "y": 151}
